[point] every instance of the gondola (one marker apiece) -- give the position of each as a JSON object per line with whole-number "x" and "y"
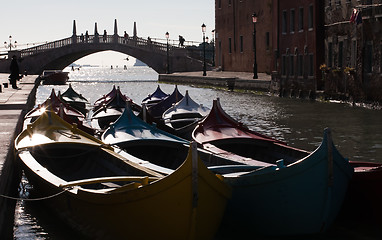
{"x": 154, "y": 98}
{"x": 74, "y": 99}
{"x": 362, "y": 205}
{"x": 110, "y": 109}
{"x": 63, "y": 109}
{"x": 298, "y": 192}
{"x": 150, "y": 146}
{"x": 184, "y": 115}
{"x": 157, "y": 110}
{"x": 105, "y": 196}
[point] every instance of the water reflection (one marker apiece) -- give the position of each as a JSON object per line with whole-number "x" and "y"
{"x": 34, "y": 221}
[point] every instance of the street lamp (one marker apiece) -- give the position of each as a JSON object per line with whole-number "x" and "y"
{"x": 213, "y": 48}
{"x": 168, "y": 61}
{"x": 204, "y": 49}
{"x": 10, "y": 45}
{"x": 254, "y": 20}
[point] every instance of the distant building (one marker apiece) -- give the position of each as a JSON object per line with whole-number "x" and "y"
{"x": 234, "y": 35}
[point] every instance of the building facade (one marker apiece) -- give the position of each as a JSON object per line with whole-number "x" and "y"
{"x": 234, "y": 35}
{"x": 298, "y": 37}
{"x": 353, "y": 52}
{"x": 332, "y": 47}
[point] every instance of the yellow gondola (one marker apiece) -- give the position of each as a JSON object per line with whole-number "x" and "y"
{"x": 105, "y": 196}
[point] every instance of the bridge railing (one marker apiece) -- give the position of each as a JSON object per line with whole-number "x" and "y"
{"x": 46, "y": 46}
{"x": 192, "y": 51}
{"x": 177, "y": 42}
{"x": 99, "y": 39}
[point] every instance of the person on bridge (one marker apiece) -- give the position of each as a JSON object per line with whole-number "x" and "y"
{"x": 86, "y": 36}
{"x": 104, "y": 35}
{"x": 15, "y": 72}
{"x": 181, "y": 40}
{"x": 126, "y": 37}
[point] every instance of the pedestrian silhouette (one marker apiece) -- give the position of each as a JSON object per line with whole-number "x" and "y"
{"x": 126, "y": 37}
{"x": 86, "y": 36}
{"x": 181, "y": 41}
{"x": 104, "y": 35}
{"x": 15, "y": 72}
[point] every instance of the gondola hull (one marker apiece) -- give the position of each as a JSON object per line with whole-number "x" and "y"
{"x": 105, "y": 196}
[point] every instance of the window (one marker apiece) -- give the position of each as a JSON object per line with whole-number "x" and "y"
{"x": 368, "y": 58}
{"x": 292, "y": 20}
{"x": 283, "y": 70}
{"x": 284, "y": 22}
{"x": 310, "y": 20}
{"x": 267, "y": 41}
{"x": 220, "y": 4}
{"x": 311, "y": 64}
{"x": 340, "y": 54}
{"x": 241, "y": 44}
{"x": 291, "y": 65}
{"x": 353, "y": 57}
{"x": 301, "y": 19}
{"x": 229, "y": 45}
{"x": 330, "y": 54}
{"x": 300, "y": 65}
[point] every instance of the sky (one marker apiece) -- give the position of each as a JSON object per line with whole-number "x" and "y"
{"x": 39, "y": 21}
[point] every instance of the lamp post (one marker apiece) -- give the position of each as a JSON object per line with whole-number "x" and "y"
{"x": 254, "y": 20}
{"x": 204, "y": 49}
{"x": 213, "y": 48}
{"x": 10, "y": 45}
{"x": 168, "y": 60}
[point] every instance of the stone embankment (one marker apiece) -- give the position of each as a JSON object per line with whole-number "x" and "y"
{"x": 14, "y": 104}
{"x": 230, "y": 80}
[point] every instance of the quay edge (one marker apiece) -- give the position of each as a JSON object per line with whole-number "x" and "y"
{"x": 229, "y": 80}
{"x": 14, "y": 104}
{"x": 243, "y": 81}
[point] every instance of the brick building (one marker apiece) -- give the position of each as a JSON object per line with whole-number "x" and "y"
{"x": 353, "y": 52}
{"x": 298, "y": 40}
{"x": 234, "y": 35}
{"x": 307, "y": 45}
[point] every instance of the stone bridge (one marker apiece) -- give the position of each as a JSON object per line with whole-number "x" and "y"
{"x": 162, "y": 57}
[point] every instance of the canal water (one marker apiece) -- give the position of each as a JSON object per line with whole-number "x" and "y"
{"x": 357, "y": 132}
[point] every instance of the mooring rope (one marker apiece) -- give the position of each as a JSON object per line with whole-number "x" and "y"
{"x": 35, "y": 199}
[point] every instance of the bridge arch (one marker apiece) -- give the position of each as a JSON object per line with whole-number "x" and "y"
{"x": 61, "y": 53}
